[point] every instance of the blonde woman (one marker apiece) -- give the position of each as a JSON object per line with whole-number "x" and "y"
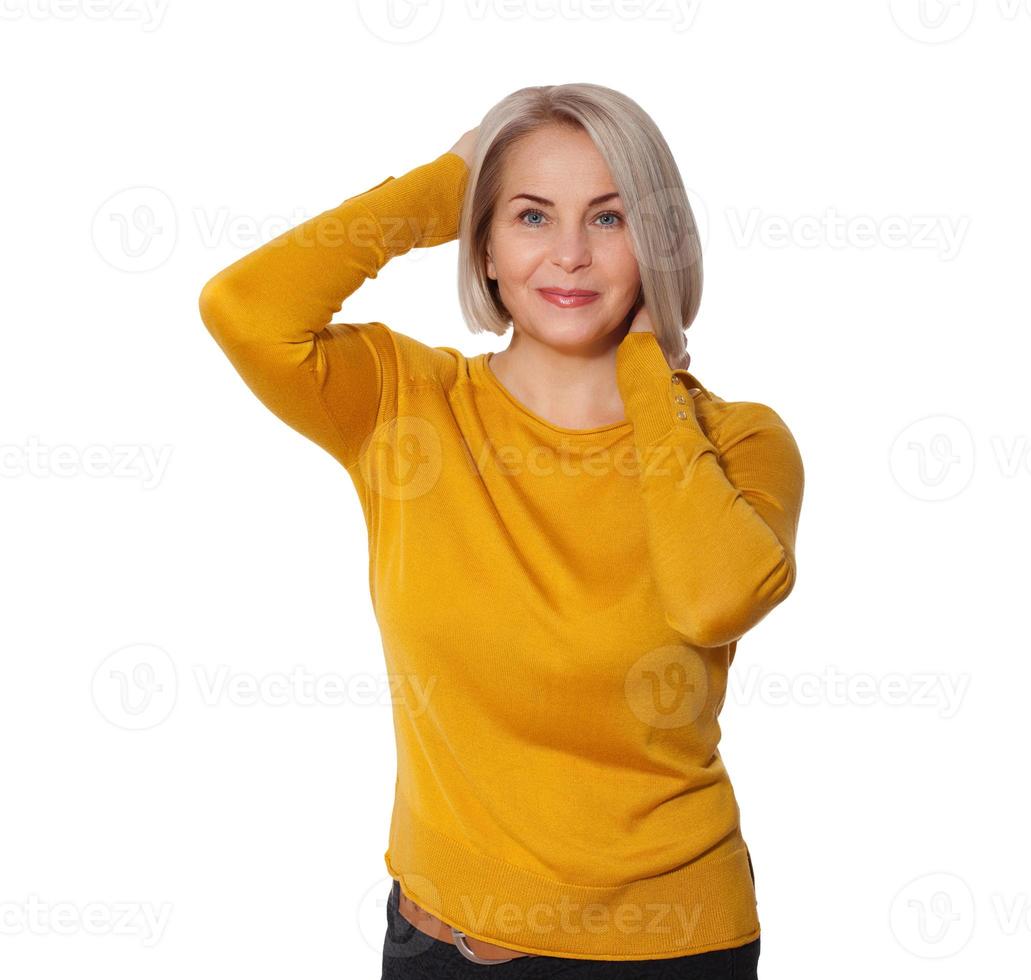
{"x": 567, "y": 539}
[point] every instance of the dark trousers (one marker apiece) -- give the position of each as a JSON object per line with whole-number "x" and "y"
{"x": 409, "y": 954}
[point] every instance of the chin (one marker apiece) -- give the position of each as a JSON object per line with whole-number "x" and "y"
{"x": 574, "y": 335}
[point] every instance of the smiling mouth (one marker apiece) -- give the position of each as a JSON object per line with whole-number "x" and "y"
{"x": 568, "y": 298}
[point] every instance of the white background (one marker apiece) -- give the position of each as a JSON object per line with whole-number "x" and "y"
{"x": 861, "y": 175}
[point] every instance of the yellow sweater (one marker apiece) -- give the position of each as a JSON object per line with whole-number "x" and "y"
{"x": 559, "y": 608}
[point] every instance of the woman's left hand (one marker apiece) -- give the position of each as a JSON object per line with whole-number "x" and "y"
{"x": 642, "y": 322}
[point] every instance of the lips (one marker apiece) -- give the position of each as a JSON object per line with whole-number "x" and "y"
{"x": 567, "y": 299}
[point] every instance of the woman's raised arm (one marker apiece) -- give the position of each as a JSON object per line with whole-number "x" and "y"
{"x": 271, "y": 310}
{"x": 721, "y": 487}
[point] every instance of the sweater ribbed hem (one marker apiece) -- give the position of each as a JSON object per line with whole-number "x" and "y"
{"x": 705, "y": 906}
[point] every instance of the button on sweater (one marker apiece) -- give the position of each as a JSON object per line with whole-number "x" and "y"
{"x": 559, "y": 608}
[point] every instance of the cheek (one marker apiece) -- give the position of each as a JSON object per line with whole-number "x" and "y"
{"x": 623, "y": 270}
{"x": 515, "y": 262}
{"x": 632, "y": 270}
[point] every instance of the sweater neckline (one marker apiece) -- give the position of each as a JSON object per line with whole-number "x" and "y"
{"x": 494, "y": 382}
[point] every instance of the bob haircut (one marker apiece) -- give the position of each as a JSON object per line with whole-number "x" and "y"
{"x": 663, "y": 233}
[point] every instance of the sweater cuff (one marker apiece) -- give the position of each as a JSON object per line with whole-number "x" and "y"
{"x": 655, "y": 396}
{"x": 420, "y": 208}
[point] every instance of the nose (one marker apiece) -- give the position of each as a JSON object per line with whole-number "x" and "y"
{"x": 571, "y": 249}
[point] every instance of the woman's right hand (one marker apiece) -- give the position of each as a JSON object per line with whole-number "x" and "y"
{"x": 465, "y": 146}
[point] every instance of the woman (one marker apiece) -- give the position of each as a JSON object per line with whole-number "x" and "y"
{"x": 567, "y": 539}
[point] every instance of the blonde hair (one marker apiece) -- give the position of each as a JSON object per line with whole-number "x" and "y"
{"x": 663, "y": 233}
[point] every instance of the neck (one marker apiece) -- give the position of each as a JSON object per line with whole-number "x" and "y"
{"x": 571, "y": 387}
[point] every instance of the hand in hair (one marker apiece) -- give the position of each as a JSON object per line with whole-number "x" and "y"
{"x": 642, "y": 323}
{"x": 465, "y": 146}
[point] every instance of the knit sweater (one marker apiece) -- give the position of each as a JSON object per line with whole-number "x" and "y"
{"x": 558, "y": 607}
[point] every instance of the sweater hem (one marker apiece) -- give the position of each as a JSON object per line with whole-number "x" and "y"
{"x": 704, "y": 906}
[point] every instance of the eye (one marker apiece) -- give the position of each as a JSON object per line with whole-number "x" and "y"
{"x": 532, "y": 224}
{"x": 611, "y": 214}
{"x": 537, "y": 224}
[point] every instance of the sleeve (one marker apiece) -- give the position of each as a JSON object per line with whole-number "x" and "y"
{"x": 271, "y": 310}
{"x": 721, "y": 510}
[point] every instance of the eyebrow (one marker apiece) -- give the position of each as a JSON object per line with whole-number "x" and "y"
{"x": 551, "y": 204}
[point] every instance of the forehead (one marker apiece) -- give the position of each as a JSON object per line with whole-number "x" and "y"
{"x": 556, "y": 163}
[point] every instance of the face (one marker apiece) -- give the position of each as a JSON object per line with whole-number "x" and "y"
{"x": 556, "y": 226}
